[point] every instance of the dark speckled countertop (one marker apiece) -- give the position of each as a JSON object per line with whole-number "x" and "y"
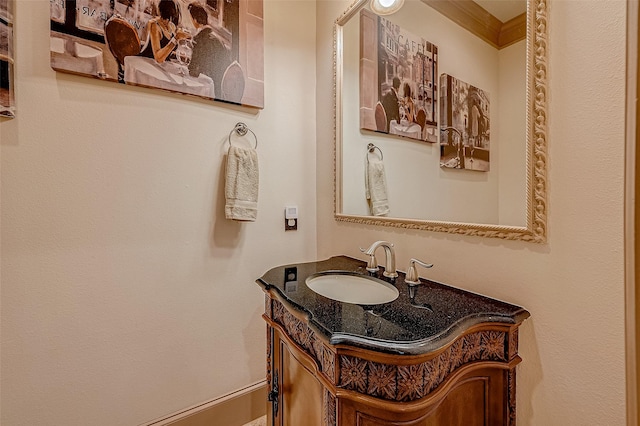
{"x": 437, "y": 315}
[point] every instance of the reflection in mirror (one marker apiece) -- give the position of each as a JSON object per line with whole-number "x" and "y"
{"x": 476, "y": 162}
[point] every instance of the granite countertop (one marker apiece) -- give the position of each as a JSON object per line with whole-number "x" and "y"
{"x": 437, "y": 315}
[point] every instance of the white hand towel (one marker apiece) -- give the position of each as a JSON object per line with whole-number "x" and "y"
{"x": 375, "y": 183}
{"x": 241, "y": 185}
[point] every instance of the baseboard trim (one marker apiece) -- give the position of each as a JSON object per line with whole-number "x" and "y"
{"x": 233, "y": 409}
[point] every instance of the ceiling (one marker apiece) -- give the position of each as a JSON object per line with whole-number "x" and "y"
{"x": 504, "y": 10}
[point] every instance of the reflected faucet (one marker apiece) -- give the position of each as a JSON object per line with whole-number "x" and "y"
{"x": 390, "y": 264}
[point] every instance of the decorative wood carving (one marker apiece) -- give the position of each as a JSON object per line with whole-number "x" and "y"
{"x": 269, "y": 362}
{"x": 513, "y": 343}
{"x": 267, "y": 306}
{"x": 511, "y": 389}
{"x": 306, "y": 338}
{"x": 353, "y": 374}
{"x": 269, "y": 356}
{"x": 328, "y": 363}
{"x": 329, "y": 409}
{"x": 412, "y": 382}
{"x": 381, "y": 380}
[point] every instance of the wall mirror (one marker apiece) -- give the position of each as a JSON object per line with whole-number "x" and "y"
{"x": 476, "y": 165}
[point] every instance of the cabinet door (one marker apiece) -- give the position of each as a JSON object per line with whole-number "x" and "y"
{"x": 477, "y": 399}
{"x": 300, "y": 393}
{"x": 468, "y": 404}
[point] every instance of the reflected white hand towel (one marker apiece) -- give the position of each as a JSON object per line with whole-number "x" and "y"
{"x": 241, "y": 185}
{"x": 375, "y": 183}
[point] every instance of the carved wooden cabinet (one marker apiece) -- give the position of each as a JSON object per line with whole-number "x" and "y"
{"x": 328, "y": 366}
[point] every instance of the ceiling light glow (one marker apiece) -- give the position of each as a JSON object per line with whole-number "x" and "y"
{"x": 386, "y": 7}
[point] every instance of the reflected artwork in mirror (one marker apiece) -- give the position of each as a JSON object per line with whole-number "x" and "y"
{"x": 465, "y": 130}
{"x": 398, "y": 72}
{"x": 502, "y": 64}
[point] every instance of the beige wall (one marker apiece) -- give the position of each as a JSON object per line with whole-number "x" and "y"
{"x": 573, "y": 345}
{"x": 126, "y": 295}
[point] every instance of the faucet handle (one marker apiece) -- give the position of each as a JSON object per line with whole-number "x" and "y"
{"x": 412, "y": 277}
{"x": 372, "y": 263}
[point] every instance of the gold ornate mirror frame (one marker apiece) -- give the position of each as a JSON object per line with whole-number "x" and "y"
{"x": 536, "y": 141}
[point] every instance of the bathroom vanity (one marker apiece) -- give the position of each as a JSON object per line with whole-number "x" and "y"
{"x": 436, "y": 355}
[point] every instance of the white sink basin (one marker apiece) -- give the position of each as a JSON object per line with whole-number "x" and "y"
{"x": 350, "y": 287}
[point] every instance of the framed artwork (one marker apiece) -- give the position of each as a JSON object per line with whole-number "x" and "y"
{"x": 213, "y": 49}
{"x": 7, "y": 100}
{"x": 398, "y": 88}
{"x": 464, "y": 125}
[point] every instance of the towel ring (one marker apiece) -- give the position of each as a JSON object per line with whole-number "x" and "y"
{"x": 371, "y": 148}
{"x": 241, "y": 129}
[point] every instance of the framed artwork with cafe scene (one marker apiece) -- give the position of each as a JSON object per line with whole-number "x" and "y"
{"x": 213, "y": 49}
{"x": 398, "y": 80}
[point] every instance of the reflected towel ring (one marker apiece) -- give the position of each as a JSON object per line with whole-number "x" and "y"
{"x": 371, "y": 148}
{"x": 241, "y": 129}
